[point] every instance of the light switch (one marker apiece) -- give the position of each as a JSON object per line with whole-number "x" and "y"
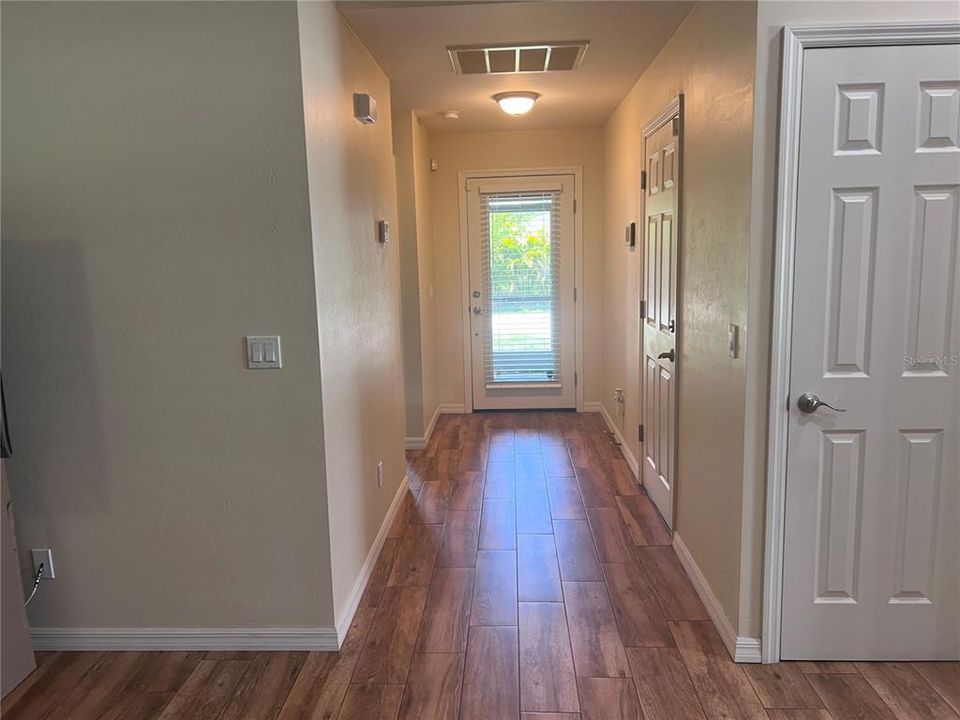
{"x": 263, "y": 352}
{"x": 733, "y": 340}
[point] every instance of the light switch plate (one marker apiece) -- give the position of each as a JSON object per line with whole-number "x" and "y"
{"x": 733, "y": 340}
{"x": 263, "y": 352}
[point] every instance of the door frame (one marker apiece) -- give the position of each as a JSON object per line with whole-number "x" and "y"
{"x": 796, "y": 40}
{"x": 464, "y": 176}
{"x": 673, "y": 109}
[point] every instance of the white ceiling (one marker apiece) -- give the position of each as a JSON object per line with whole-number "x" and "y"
{"x": 410, "y": 39}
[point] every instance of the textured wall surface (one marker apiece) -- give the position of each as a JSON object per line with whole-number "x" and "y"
{"x": 505, "y": 150}
{"x": 155, "y": 210}
{"x": 353, "y": 186}
{"x": 415, "y": 240}
{"x": 710, "y": 60}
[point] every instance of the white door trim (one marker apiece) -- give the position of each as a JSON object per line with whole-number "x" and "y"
{"x": 463, "y": 176}
{"x": 795, "y": 41}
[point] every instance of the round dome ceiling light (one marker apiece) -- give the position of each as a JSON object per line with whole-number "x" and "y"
{"x": 450, "y": 114}
{"x": 516, "y": 103}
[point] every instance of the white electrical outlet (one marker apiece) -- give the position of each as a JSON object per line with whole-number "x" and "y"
{"x": 380, "y": 473}
{"x": 618, "y": 395}
{"x": 45, "y": 556}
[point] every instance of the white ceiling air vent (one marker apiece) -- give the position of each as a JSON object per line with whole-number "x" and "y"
{"x": 531, "y": 57}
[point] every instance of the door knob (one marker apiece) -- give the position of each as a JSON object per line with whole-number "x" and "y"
{"x": 808, "y": 403}
{"x": 477, "y": 310}
{"x": 666, "y": 355}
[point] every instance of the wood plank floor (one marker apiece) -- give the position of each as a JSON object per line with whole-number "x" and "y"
{"x": 525, "y": 578}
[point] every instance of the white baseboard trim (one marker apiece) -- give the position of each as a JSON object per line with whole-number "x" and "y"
{"x": 353, "y": 600}
{"x": 420, "y": 443}
{"x": 452, "y": 408}
{"x": 592, "y": 407}
{"x": 171, "y": 638}
{"x": 624, "y": 448}
{"x": 741, "y": 649}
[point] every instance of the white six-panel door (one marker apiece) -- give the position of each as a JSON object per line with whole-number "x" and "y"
{"x": 872, "y": 528}
{"x": 660, "y": 258}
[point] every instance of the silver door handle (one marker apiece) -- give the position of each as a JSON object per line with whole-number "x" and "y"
{"x": 477, "y": 310}
{"x": 808, "y": 403}
{"x": 666, "y": 355}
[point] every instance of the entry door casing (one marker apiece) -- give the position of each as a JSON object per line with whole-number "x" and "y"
{"x": 661, "y": 156}
{"x": 546, "y": 376}
{"x": 872, "y": 523}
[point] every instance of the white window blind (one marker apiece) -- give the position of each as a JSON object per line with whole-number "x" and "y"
{"x": 520, "y": 233}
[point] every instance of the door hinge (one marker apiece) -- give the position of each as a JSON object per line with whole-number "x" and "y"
{"x": 643, "y": 179}
{"x": 574, "y": 294}
{"x": 640, "y": 433}
{"x": 676, "y": 126}
{"x": 575, "y": 379}
{"x": 643, "y": 310}
{"x": 574, "y": 206}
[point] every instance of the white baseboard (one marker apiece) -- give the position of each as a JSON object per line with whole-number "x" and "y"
{"x": 253, "y": 638}
{"x": 627, "y": 453}
{"x": 452, "y": 408}
{"x": 741, "y": 649}
{"x": 353, "y": 600}
{"x": 171, "y": 638}
{"x": 592, "y": 407}
{"x": 420, "y": 443}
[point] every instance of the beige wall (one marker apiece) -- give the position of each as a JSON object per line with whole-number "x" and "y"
{"x": 425, "y": 260}
{"x": 352, "y": 187}
{"x": 710, "y": 60}
{"x": 411, "y": 153}
{"x": 505, "y": 150}
{"x": 155, "y": 210}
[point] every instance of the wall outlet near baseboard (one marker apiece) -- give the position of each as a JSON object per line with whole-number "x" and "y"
{"x": 45, "y": 556}
{"x": 379, "y": 473}
{"x": 618, "y": 395}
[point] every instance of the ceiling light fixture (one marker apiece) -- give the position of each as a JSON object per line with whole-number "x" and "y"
{"x": 450, "y": 114}
{"x": 516, "y": 103}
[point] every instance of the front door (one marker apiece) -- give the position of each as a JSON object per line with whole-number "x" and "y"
{"x": 520, "y": 235}
{"x": 872, "y": 528}
{"x": 661, "y": 205}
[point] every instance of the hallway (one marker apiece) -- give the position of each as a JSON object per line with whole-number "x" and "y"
{"x": 524, "y": 576}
